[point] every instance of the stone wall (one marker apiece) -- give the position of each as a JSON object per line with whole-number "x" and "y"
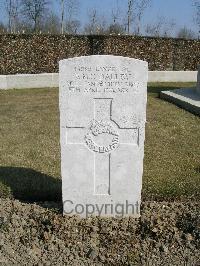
{"x": 41, "y": 53}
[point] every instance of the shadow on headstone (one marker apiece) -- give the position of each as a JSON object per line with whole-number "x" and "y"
{"x": 29, "y": 185}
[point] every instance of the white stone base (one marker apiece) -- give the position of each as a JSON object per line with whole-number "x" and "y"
{"x": 172, "y": 76}
{"x": 50, "y": 80}
{"x": 187, "y": 99}
{"x": 29, "y": 81}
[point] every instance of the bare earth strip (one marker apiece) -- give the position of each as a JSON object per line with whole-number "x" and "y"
{"x": 166, "y": 234}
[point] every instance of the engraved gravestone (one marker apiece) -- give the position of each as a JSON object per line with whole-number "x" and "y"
{"x": 102, "y": 125}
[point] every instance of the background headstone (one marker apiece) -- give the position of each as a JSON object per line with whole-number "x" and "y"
{"x": 198, "y": 81}
{"x": 186, "y": 98}
{"x": 102, "y": 121}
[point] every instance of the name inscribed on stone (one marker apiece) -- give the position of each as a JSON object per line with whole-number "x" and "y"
{"x": 102, "y": 79}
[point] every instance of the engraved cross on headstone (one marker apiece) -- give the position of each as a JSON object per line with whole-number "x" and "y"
{"x": 102, "y": 137}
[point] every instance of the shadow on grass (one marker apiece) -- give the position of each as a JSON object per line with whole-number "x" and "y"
{"x": 29, "y": 185}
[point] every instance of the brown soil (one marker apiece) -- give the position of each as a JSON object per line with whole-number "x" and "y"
{"x": 38, "y": 234}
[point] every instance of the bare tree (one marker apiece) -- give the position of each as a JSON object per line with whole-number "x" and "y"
{"x": 91, "y": 27}
{"x": 116, "y": 28}
{"x": 197, "y": 16}
{"x": 69, "y": 13}
{"x": 97, "y": 23}
{"x": 186, "y": 33}
{"x": 141, "y": 6}
{"x": 154, "y": 29}
{"x": 129, "y": 15}
{"x": 62, "y": 15}
{"x": 3, "y": 29}
{"x": 72, "y": 23}
{"x": 12, "y": 9}
{"x": 34, "y": 11}
{"x": 52, "y": 24}
{"x": 160, "y": 28}
{"x": 115, "y": 13}
{"x": 72, "y": 26}
{"x": 168, "y": 27}
{"x": 135, "y": 13}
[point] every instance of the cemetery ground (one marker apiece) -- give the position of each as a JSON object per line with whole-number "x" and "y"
{"x": 168, "y": 232}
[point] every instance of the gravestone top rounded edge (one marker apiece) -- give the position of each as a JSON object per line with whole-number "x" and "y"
{"x": 102, "y": 56}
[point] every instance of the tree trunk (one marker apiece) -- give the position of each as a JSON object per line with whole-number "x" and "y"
{"x": 62, "y": 16}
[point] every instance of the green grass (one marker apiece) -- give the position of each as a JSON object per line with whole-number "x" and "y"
{"x": 162, "y": 86}
{"x": 30, "y": 152}
{"x": 171, "y": 84}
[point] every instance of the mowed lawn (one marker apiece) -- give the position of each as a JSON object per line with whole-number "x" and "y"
{"x": 30, "y": 151}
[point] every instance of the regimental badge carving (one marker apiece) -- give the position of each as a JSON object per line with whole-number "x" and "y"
{"x": 98, "y": 128}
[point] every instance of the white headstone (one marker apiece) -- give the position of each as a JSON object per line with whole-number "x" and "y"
{"x": 102, "y": 122}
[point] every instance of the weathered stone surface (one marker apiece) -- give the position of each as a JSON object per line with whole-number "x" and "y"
{"x": 102, "y": 121}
